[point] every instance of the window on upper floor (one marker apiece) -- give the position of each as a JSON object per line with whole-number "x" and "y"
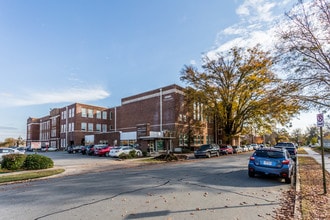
{"x": 104, "y": 128}
{"x": 83, "y": 126}
{"x": 90, "y": 126}
{"x": 104, "y": 115}
{"x": 98, "y": 114}
{"x": 90, "y": 113}
{"x": 98, "y": 127}
{"x": 83, "y": 112}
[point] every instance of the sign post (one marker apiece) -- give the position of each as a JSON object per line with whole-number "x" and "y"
{"x": 320, "y": 123}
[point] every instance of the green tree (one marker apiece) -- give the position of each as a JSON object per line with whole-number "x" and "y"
{"x": 239, "y": 90}
{"x": 305, "y": 50}
{"x": 297, "y": 136}
{"x": 312, "y": 134}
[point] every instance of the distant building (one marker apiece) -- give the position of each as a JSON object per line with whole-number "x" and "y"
{"x": 154, "y": 120}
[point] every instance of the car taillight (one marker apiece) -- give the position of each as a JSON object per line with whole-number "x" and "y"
{"x": 252, "y": 158}
{"x": 285, "y": 161}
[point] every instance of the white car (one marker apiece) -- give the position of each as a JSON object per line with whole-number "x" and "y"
{"x": 49, "y": 149}
{"x": 116, "y": 151}
{"x": 6, "y": 151}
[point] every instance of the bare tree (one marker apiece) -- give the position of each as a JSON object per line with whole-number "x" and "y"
{"x": 305, "y": 50}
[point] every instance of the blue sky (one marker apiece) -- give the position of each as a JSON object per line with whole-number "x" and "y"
{"x": 57, "y": 52}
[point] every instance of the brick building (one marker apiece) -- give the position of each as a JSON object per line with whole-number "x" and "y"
{"x": 155, "y": 120}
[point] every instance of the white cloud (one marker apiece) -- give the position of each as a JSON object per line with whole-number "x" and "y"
{"x": 257, "y": 25}
{"x": 56, "y": 96}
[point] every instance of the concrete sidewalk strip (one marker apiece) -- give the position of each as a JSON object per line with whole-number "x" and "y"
{"x": 318, "y": 157}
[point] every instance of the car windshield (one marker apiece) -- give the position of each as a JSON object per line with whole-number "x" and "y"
{"x": 204, "y": 147}
{"x": 270, "y": 154}
{"x": 284, "y": 145}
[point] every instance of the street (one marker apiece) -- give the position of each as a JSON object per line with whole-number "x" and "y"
{"x": 216, "y": 188}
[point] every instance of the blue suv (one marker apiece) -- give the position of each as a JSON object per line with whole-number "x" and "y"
{"x": 273, "y": 162}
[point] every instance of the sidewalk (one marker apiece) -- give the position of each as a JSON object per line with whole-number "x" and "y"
{"x": 318, "y": 157}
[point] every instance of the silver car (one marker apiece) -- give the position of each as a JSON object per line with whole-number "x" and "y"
{"x": 116, "y": 151}
{"x": 6, "y": 151}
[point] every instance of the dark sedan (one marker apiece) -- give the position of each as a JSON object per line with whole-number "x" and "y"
{"x": 207, "y": 150}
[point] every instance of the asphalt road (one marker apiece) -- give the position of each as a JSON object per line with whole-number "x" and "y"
{"x": 216, "y": 188}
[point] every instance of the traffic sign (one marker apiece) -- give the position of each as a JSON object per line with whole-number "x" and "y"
{"x": 320, "y": 120}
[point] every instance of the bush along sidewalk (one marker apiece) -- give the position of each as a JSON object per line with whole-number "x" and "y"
{"x": 26, "y": 162}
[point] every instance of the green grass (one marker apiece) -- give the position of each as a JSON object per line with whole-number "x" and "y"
{"x": 28, "y": 175}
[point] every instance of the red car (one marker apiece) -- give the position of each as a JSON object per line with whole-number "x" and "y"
{"x": 102, "y": 150}
{"x": 226, "y": 149}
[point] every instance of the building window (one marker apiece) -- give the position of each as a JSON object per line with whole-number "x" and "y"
{"x": 64, "y": 114}
{"x": 90, "y": 126}
{"x": 71, "y": 127}
{"x": 53, "y": 121}
{"x": 183, "y": 140}
{"x": 198, "y": 110}
{"x": 83, "y": 126}
{"x": 104, "y": 115}
{"x": 83, "y": 112}
{"x": 104, "y": 128}
{"x": 53, "y": 133}
{"x": 90, "y": 113}
{"x": 98, "y": 114}
{"x": 110, "y": 117}
{"x": 72, "y": 113}
{"x": 98, "y": 127}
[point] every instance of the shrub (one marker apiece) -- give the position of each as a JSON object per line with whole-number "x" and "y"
{"x": 37, "y": 161}
{"x": 13, "y": 161}
{"x": 124, "y": 156}
{"x": 132, "y": 154}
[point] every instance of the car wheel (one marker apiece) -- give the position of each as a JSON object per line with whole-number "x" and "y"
{"x": 287, "y": 180}
{"x": 251, "y": 174}
{"x": 107, "y": 154}
{"x": 196, "y": 157}
{"x": 217, "y": 154}
{"x": 208, "y": 155}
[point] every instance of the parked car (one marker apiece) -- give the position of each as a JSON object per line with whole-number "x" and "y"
{"x": 251, "y": 147}
{"x": 90, "y": 150}
{"x": 116, "y": 151}
{"x": 272, "y": 161}
{"x": 291, "y": 147}
{"x": 46, "y": 149}
{"x": 6, "y": 151}
{"x": 245, "y": 148}
{"x": 226, "y": 149}
{"x": 102, "y": 150}
{"x": 84, "y": 149}
{"x": 207, "y": 150}
{"x": 21, "y": 149}
{"x": 74, "y": 149}
{"x": 254, "y": 146}
{"x": 237, "y": 149}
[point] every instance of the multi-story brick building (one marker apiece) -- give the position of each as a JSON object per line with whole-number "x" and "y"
{"x": 155, "y": 120}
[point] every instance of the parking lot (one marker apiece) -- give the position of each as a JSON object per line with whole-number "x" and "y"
{"x": 78, "y": 163}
